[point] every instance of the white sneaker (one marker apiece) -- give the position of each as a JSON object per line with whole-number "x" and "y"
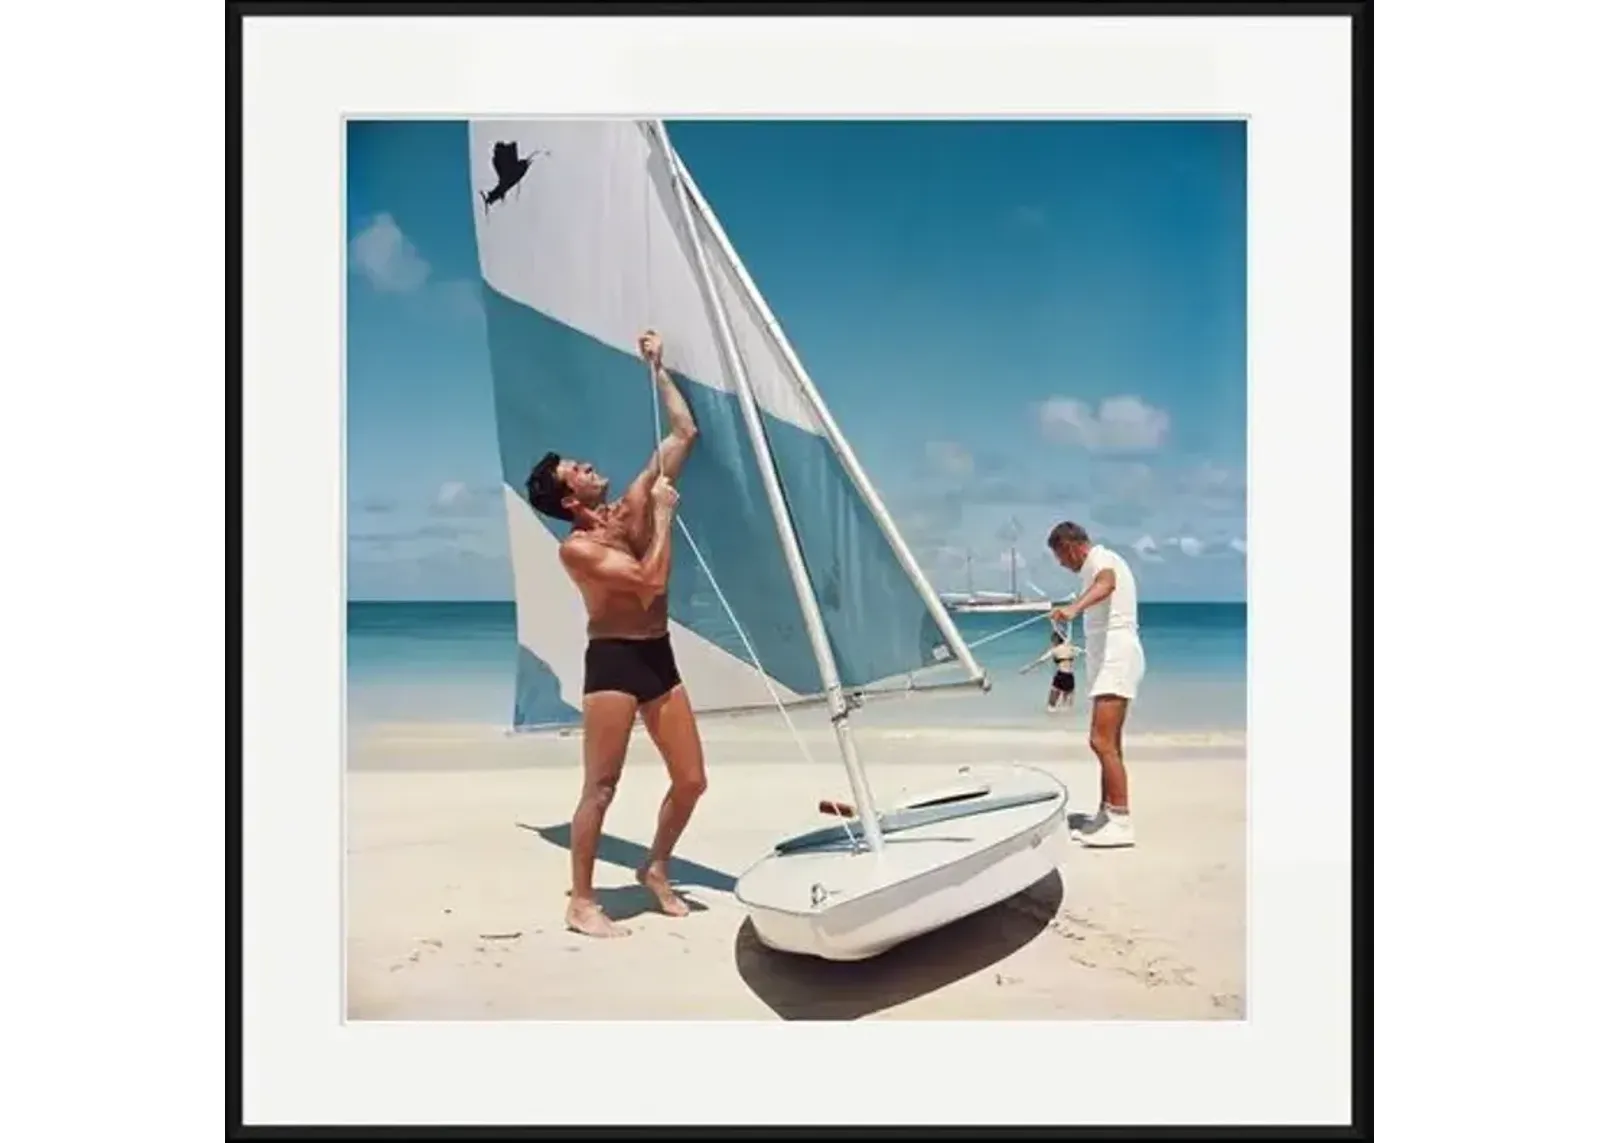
{"x": 1108, "y": 831}
{"x": 1078, "y": 822}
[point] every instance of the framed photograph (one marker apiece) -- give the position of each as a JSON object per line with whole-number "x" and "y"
{"x": 776, "y": 555}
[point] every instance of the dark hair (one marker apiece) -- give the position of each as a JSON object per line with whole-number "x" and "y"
{"x": 1057, "y": 637}
{"x": 546, "y": 490}
{"x": 1066, "y": 533}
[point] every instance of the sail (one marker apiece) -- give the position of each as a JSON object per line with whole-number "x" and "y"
{"x": 878, "y": 624}
{"x": 581, "y": 245}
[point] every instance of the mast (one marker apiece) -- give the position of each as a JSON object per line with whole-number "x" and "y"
{"x": 970, "y": 590}
{"x": 841, "y": 447}
{"x": 1014, "y": 596}
{"x": 804, "y": 591}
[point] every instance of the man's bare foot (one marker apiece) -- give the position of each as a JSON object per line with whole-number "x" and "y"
{"x": 656, "y": 881}
{"x": 588, "y": 918}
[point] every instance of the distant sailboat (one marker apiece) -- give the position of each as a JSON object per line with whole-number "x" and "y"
{"x": 796, "y": 586}
{"x": 998, "y": 602}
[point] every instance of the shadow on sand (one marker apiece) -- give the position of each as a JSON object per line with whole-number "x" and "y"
{"x": 807, "y": 988}
{"x": 623, "y": 902}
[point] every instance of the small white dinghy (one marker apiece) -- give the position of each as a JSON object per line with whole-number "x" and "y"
{"x": 944, "y": 856}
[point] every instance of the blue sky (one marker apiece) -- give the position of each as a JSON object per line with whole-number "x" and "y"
{"x": 1013, "y": 323}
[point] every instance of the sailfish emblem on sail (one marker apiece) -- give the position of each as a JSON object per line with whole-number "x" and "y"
{"x": 509, "y": 169}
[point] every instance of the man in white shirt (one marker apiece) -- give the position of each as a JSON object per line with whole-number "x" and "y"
{"x": 1109, "y": 605}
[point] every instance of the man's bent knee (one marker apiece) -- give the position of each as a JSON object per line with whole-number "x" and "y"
{"x": 600, "y": 792}
{"x": 689, "y": 789}
{"x": 1102, "y": 742}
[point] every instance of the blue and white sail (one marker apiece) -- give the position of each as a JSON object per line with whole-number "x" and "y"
{"x": 582, "y": 245}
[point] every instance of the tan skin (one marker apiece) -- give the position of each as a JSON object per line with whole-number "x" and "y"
{"x": 619, "y": 555}
{"x": 1109, "y": 711}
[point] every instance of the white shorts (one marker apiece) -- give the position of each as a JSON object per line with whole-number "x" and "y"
{"x": 1116, "y": 665}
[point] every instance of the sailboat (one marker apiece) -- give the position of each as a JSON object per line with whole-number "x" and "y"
{"x": 796, "y": 587}
{"x": 999, "y": 602}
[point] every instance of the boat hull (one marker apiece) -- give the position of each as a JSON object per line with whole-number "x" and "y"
{"x": 843, "y": 903}
{"x": 1027, "y": 607}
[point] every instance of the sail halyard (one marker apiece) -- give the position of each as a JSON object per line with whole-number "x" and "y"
{"x": 841, "y": 447}
{"x": 799, "y": 574}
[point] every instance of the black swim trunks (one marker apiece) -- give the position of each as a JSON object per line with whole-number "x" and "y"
{"x": 1064, "y": 681}
{"x": 643, "y": 668}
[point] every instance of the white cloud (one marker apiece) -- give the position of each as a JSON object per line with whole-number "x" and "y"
{"x": 1122, "y": 424}
{"x": 457, "y": 499}
{"x": 1208, "y": 477}
{"x": 1215, "y": 488}
{"x": 1125, "y": 493}
{"x": 1190, "y": 546}
{"x": 949, "y": 458}
{"x": 451, "y": 493}
{"x": 1125, "y": 480}
{"x": 1148, "y": 549}
{"x": 386, "y": 257}
{"x": 1237, "y": 545}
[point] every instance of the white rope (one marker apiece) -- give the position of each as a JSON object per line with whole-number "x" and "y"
{"x": 655, "y": 410}
{"x": 745, "y": 639}
{"x": 1013, "y": 627}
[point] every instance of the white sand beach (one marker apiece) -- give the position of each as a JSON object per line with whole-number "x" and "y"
{"x": 457, "y": 868}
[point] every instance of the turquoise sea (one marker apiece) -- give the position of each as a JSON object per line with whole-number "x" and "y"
{"x": 410, "y": 661}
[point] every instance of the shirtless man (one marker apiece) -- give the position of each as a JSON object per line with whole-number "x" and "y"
{"x": 1109, "y": 605}
{"x": 619, "y": 555}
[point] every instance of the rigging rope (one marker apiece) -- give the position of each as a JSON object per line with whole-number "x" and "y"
{"x": 976, "y": 643}
{"x": 1019, "y": 626}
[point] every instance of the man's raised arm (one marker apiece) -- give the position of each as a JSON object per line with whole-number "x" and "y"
{"x": 682, "y": 430}
{"x": 667, "y": 460}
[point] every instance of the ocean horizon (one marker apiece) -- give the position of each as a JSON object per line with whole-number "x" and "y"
{"x": 455, "y": 661}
